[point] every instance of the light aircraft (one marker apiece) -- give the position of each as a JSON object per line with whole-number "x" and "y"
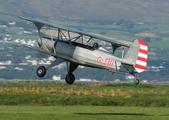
{"x": 74, "y": 47}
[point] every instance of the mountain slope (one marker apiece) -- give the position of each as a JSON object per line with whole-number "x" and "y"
{"x": 143, "y": 10}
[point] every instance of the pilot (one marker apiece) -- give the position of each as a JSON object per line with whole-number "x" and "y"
{"x": 95, "y": 46}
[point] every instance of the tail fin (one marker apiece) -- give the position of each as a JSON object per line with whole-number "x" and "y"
{"x": 137, "y": 55}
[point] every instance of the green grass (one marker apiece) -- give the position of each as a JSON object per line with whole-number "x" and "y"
{"x": 159, "y": 44}
{"x": 82, "y": 113}
{"x": 157, "y": 94}
{"x": 86, "y": 87}
{"x": 81, "y": 107}
{"x": 64, "y": 100}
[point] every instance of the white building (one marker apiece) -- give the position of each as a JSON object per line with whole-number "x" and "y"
{"x": 56, "y": 77}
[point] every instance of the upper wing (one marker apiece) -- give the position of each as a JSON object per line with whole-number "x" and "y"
{"x": 115, "y": 41}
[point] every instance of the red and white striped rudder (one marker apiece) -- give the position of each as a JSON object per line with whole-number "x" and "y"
{"x": 137, "y": 56}
{"x": 141, "y": 62}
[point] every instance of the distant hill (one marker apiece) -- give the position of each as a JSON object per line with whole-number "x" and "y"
{"x": 137, "y": 10}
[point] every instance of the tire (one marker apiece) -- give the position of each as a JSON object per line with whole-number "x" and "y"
{"x": 70, "y": 78}
{"x": 41, "y": 71}
{"x": 136, "y": 81}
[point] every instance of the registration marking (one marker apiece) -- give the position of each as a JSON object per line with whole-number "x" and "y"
{"x": 105, "y": 61}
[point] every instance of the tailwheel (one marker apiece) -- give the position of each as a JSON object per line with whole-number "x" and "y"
{"x": 136, "y": 81}
{"x": 41, "y": 71}
{"x": 70, "y": 78}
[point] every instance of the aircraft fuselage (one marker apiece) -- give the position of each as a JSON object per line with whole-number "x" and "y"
{"x": 87, "y": 57}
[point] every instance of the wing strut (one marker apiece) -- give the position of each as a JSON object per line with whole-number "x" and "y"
{"x": 89, "y": 39}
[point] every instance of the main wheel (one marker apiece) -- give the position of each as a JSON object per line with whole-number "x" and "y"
{"x": 136, "y": 81}
{"x": 70, "y": 78}
{"x": 41, "y": 71}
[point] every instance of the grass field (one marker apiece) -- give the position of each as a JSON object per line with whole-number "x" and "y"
{"x": 51, "y": 101}
{"x": 82, "y": 113}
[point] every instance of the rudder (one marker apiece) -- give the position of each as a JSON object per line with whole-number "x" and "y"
{"x": 137, "y": 55}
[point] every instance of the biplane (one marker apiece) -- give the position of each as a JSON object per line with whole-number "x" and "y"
{"x": 81, "y": 48}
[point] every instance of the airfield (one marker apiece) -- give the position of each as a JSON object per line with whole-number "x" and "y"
{"x": 82, "y": 113}
{"x": 39, "y": 100}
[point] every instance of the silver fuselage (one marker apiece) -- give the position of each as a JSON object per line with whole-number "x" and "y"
{"x": 84, "y": 55}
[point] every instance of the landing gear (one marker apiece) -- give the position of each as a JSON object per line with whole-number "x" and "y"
{"x": 70, "y": 78}
{"x": 41, "y": 71}
{"x": 136, "y": 81}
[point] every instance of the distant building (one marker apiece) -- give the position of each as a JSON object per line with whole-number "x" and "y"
{"x": 56, "y": 77}
{"x": 18, "y": 68}
{"x": 12, "y": 23}
{"x": 3, "y": 26}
